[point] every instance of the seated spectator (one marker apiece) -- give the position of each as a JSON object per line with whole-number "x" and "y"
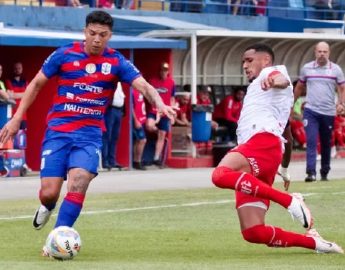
{"x": 183, "y": 115}
{"x": 227, "y": 112}
{"x": 203, "y": 98}
{"x": 203, "y": 95}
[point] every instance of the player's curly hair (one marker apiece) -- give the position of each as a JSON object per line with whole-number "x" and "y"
{"x": 100, "y": 17}
{"x": 259, "y": 47}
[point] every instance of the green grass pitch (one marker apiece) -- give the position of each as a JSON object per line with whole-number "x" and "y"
{"x": 178, "y": 229}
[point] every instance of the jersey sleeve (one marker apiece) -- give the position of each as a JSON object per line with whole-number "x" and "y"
{"x": 51, "y": 65}
{"x": 340, "y": 75}
{"x": 127, "y": 72}
{"x": 302, "y": 75}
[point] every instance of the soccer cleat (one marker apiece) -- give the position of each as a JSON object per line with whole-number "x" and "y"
{"x": 41, "y": 217}
{"x": 322, "y": 245}
{"x": 299, "y": 210}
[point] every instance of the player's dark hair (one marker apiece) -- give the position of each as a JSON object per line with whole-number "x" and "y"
{"x": 100, "y": 17}
{"x": 261, "y": 48}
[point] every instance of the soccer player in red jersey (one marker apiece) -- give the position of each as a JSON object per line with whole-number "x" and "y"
{"x": 250, "y": 168}
{"x": 87, "y": 73}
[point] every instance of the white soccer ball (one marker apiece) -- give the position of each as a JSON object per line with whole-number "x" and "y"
{"x": 63, "y": 243}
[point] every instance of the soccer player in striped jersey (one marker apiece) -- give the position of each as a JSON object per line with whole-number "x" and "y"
{"x": 87, "y": 74}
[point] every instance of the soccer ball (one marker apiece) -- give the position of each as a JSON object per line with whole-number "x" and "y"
{"x": 63, "y": 243}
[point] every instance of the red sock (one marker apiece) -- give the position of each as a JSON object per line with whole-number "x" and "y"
{"x": 225, "y": 177}
{"x": 276, "y": 237}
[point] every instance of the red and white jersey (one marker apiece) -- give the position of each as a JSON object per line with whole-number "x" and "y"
{"x": 265, "y": 111}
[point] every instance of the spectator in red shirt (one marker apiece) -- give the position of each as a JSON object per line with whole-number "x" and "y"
{"x": 139, "y": 136}
{"x": 227, "y": 112}
{"x": 165, "y": 86}
{"x": 183, "y": 115}
{"x": 203, "y": 95}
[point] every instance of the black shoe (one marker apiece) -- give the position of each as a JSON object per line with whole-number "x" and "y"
{"x": 310, "y": 178}
{"x": 139, "y": 166}
{"x": 324, "y": 177}
{"x": 106, "y": 167}
{"x": 158, "y": 163}
{"x": 119, "y": 167}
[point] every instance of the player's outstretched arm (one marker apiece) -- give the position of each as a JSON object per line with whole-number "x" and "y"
{"x": 153, "y": 97}
{"x": 275, "y": 80}
{"x": 12, "y": 127}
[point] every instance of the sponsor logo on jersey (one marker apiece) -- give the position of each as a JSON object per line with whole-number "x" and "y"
{"x": 79, "y": 109}
{"x": 255, "y": 167}
{"x": 106, "y": 68}
{"x": 76, "y": 63}
{"x": 90, "y": 68}
{"x": 90, "y": 88}
{"x": 69, "y": 95}
{"x": 91, "y": 101}
{"x": 162, "y": 90}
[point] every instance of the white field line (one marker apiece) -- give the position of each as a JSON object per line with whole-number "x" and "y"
{"x": 96, "y": 212}
{"x": 123, "y": 210}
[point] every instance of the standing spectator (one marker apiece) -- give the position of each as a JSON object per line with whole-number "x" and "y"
{"x": 250, "y": 168}
{"x": 139, "y": 136}
{"x": 87, "y": 73}
{"x": 227, "y": 112}
{"x": 320, "y": 79}
{"x": 16, "y": 87}
{"x": 113, "y": 118}
{"x": 165, "y": 86}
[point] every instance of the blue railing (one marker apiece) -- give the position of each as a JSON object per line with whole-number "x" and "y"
{"x": 272, "y": 8}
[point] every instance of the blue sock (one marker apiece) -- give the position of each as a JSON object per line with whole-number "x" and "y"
{"x": 68, "y": 214}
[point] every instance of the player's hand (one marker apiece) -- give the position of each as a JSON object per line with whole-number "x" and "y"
{"x": 169, "y": 111}
{"x": 9, "y": 130}
{"x": 286, "y": 184}
{"x": 267, "y": 83}
{"x": 340, "y": 108}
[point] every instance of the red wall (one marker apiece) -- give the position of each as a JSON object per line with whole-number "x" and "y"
{"x": 32, "y": 59}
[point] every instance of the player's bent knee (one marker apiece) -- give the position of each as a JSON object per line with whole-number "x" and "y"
{"x": 219, "y": 174}
{"x": 258, "y": 234}
{"x": 48, "y": 196}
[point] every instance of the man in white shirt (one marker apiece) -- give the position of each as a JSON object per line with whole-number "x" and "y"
{"x": 250, "y": 168}
{"x": 113, "y": 118}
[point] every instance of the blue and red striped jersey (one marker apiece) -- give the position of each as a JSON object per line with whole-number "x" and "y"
{"x": 86, "y": 85}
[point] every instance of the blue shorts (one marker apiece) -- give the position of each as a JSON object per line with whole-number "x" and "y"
{"x": 63, "y": 151}
{"x": 139, "y": 133}
{"x": 163, "y": 124}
